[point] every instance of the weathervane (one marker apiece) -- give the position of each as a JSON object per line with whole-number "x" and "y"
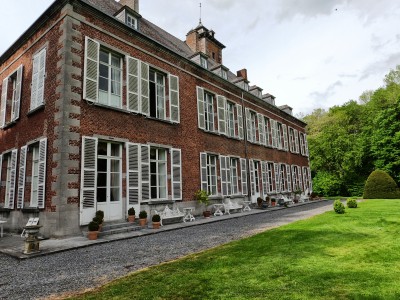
{"x": 200, "y": 14}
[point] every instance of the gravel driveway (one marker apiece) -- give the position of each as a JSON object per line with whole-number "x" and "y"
{"x": 88, "y": 267}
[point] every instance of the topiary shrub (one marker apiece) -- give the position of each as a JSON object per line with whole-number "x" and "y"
{"x": 351, "y": 203}
{"x": 338, "y": 207}
{"x": 380, "y": 185}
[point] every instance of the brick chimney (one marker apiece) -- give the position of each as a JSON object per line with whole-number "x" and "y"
{"x": 242, "y": 73}
{"x": 132, "y": 4}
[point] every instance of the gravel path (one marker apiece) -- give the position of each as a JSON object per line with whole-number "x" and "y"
{"x": 91, "y": 266}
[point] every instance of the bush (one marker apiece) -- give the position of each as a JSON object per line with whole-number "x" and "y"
{"x": 338, "y": 207}
{"x": 98, "y": 219}
{"x": 380, "y": 185}
{"x": 143, "y": 214}
{"x": 131, "y": 211}
{"x": 156, "y": 218}
{"x": 93, "y": 226}
{"x": 351, "y": 203}
{"x": 327, "y": 184}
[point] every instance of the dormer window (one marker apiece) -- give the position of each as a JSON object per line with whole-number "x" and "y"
{"x": 131, "y": 21}
{"x": 224, "y": 74}
{"x": 203, "y": 62}
{"x": 246, "y": 86}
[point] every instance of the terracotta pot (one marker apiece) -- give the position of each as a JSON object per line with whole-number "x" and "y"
{"x": 207, "y": 213}
{"x": 156, "y": 225}
{"x": 273, "y": 203}
{"x": 101, "y": 227}
{"x": 92, "y": 235}
{"x": 142, "y": 222}
{"x": 131, "y": 219}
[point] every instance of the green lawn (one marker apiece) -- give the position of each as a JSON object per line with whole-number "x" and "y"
{"x": 331, "y": 256}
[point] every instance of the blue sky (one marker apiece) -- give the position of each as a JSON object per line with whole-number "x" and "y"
{"x": 307, "y": 53}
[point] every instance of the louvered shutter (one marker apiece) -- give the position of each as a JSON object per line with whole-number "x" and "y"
{"x": 296, "y": 141}
{"x": 291, "y": 139}
{"x": 41, "y": 77}
{"x": 221, "y": 104}
{"x": 176, "y": 176}
{"x": 11, "y": 191}
{"x": 294, "y": 179}
{"x": 228, "y": 174}
{"x": 91, "y": 70}
{"x": 133, "y": 174}
{"x": 301, "y": 138}
{"x": 34, "y": 84}
{"x": 240, "y": 121}
{"x": 261, "y": 129}
{"x": 145, "y": 171}
{"x": 243, "y": 172}
{"x": 277, "y": 177}
{"x": 201, "y": 108}
{"x": 3, "y": 103}
{"x": 300, "y": 179}
{"x": 268, "y": 138}
{"x": 285, "y": 138}
{"x": 310, "y": 185}
{"x": 274, "y": 134}
{"x": 174, "y": 99}
{"x": 132, "y": 86}
{"x": 264, "y": 177}
{"x": 144, "y": 88}
{"x": 306, "y": 145}
{"x": 248, "y": 125}
{"x": 88, "y": 180}
{"x": 289, "y": 178}
{"x": 21, "y": 177}
{"x": 252, "y": 177}
{"x": 222, "y": 169}
{"x": 17, "y": 100}
{"x": 203, "y": 171}
{"x": 42, "y": 173}
{"x": 270, "y": 179}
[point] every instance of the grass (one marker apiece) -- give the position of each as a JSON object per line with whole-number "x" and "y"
{"x": 331, "y": 256}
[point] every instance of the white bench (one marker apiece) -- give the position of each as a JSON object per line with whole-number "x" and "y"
{"x": 168, "y": 213}
{"x": 284, "y": 200}
{"x": 229, "y": 205}
{"x": 304, "y": 197}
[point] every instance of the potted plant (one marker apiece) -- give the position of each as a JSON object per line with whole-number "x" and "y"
{"x": 259, "y": 202}
{"x": 131, "y": 215}
{"x": 142, "y": 218}
{"x": 273, "y": 201}
{"x": 156, "y": 221}
{"x": 99, "y": 221}
{"x": 297, "y": 194}
{"x": 267, "y": 201}
{"x": 93, "y": 230}
{"x": 202, "y": 197}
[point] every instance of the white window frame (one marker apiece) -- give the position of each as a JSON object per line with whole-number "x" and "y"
{"x": 131, "y": 21}
{"x": 230, "y": 119}
{"x": 158, "y": 163}
{"x": 160, "y": 100}
{"x": 209, "y": 112}
{"x": 234, "y": 162}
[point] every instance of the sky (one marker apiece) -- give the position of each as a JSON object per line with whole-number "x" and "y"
{"x": 309, "y": 54}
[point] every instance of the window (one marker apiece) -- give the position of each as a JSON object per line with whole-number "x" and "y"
{"x": 224, "y": 74}
{"x": 131, "y": 21}
{"x": 209, "y": 111}
{"x": 307, "y": 179}
{"x": 230, "y": 119}
{"x": 208, "y": 164}
{"x": 292, "y": 146}
{"x": 303, "y": 144}
{"x": 203, "y": 62}
{"x": 38, "y": 75}
{"x": 268, "y": 133}
{"x": 246, "y": 86}
{"x": 11, "y": 97}
{"x": 8, "y": 164}
{"x": 234, "y": 176}
{"x": 157, "y": 95}
{"x": 283, "y": 178}
{"x": 110, "y": 79}
{"x": 158, "y": 173}
{"x": 251, "y": 117}
{"x": 35, "y": 176}
{"x": 270, "y": 177}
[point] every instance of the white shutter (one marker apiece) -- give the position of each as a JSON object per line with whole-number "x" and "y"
{"x": 144, "y": 88}
{"x": 42, "y": 173}
{"x": 225, "y": 167}
{"x": 296, "y": 140}
{"x": 248, "y": 125}
{"x": 268, "y": 139}
{"x": 306, "y": 145}
{"x": 228, "y": 175}
{"x": 176, "y": 174}
{"x": 133, "y": 174}
{"x": 291, "y": 139}
{"x": 294, "y": 179}
{"x": 17, "y": 100}
{"x": 285, "y": 138}
{"x": 145, "y": 171}
{"x": 88, "y": 180}
{"x": 300, "y": 179}
{"x": 239, "y": 120}
{"x": 221, "y": 104}
{"x": 310, "y": 185}
{"x": 261, "y": 129}
{"x": 3, "y": 104}
{"x": 11, "y": 192}
{"x": 203, "y": 171}
{"x": 41, "y": 77}
{"x": 132, "y": 86}
{"x": 91, "y": 70}
{"x": 201, "y": 108}
{"x": 252, "y": 177}
{"x": 289, "y": 178}
{"x": 174, "y": 99}
{"x": 21, "y": 177}
{"x": 277, "y": 177}
{"x": 301, "y": 137}
{"x": 264, "y": 177}
{"x": 274, "y": 133}
{"x": 34, "y": 84}
{"x": 243, "y": 171}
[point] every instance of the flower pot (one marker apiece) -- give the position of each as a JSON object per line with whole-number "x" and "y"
{"x": 273, "y": 203}
{"x": 156, "y": 225}
{"x": 142, "y": 222}
{"x": 131, "y": 219}
{"x": 92, "y": 235}
{"x": 207, "y": 213}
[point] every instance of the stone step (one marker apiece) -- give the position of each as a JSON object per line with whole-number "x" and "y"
{"x": 117, "y": 230}
{"x": 110, "y": 226}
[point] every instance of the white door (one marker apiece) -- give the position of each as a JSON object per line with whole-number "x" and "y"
{"x": 256, "y": 188}
{"x": 109, "y": 183}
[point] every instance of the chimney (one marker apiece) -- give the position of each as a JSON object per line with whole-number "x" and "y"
{"x": 132, "y": 4}
{"x": 242, "y": 73}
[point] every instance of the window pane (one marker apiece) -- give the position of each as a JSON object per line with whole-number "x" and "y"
{"x": 115, "y": 148}
{"x": 114, "y": 194}
{"x": 103, "y": 56}
{"x": 115, "y": 61}
{"x": 101, "y": 194}
{"x": 103, "y": 84}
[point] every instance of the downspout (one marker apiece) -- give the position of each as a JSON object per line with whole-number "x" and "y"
{"x": 246, "y": 154}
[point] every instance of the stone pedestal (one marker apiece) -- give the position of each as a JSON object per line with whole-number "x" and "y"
{"x": 32, "y": 241}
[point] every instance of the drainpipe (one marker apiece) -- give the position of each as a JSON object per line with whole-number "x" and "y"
{"x": 246, "y": 154}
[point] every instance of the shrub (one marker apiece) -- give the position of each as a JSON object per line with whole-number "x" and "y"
{"x": 98, "y": 219}
{"x": 202, "y": 197}
{"x": 327, "y": 184}
{"x": 351, "y": 203}
{"x": 380, "y": 185}
{"x": 131, "y": 211}
{"x": 100, "y": 214}
{"x": 156, "y": 218}
{"x": 143, "y": 214}
{"x": 338, "y": 207}
{"x": 93, "y": 226}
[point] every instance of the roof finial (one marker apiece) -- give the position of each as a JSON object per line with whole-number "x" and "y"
{"x": 200, "y": 14}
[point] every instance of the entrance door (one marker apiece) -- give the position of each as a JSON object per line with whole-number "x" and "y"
{"x": 109, "y": 184}
{"x": 255, "y": 180}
